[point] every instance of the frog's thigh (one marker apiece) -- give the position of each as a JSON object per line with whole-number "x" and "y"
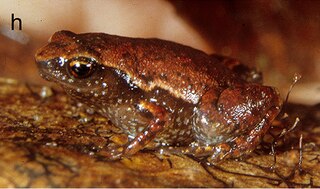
{"x": 156, "y": 125}
{"x": 209, "y": 125}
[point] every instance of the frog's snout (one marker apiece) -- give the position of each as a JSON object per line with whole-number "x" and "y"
{"x": 43, "y": 70}
{"x": 49, "y": 69}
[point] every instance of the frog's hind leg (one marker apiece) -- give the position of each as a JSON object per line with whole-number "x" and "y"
{"x": 233, "y": 123}
{"x": 234, "y": 148}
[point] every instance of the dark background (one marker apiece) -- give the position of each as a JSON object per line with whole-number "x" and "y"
{"x": 280, "y": 38}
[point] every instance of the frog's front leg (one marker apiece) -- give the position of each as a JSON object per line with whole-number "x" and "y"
{"x": 159, "y": 117}
{"x": 155, "y": 126}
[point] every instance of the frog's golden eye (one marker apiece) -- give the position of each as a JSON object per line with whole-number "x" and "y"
{"x": 81, "y": 67}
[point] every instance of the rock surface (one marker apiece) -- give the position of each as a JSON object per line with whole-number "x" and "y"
{"x": 51, "y": 141}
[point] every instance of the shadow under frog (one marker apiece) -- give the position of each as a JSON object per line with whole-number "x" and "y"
{"x": 163, "y": 94}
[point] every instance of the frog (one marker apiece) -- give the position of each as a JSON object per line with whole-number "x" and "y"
{"x": 163, "y": 95}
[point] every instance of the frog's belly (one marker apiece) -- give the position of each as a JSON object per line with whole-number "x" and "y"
{"x": 177, "y": 130}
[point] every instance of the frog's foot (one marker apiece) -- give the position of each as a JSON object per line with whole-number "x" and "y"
{"x": 238, "y": 146}
{"x": 115, "y": 153}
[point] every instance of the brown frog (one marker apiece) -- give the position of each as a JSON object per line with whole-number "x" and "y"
{"x": 162, "y": 94}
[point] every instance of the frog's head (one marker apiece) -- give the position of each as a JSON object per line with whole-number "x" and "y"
{"x": 74, "y": 64}
{"x": 65, "y": 61}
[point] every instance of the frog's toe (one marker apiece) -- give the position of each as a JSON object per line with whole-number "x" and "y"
{"x": 112, "y": 154}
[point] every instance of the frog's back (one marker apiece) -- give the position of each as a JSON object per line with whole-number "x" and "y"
{"x": 185, "y": 72}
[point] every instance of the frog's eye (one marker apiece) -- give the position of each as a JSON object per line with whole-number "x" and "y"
{"x": 81, "y": 67}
